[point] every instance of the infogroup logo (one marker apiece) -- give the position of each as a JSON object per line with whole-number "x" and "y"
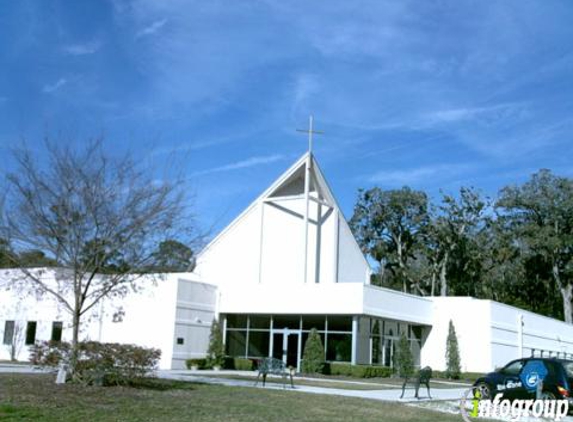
{"x": 513, "y": 410}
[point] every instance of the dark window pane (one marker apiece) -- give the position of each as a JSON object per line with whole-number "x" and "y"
{"x": 260, "y": 321}
{"x": 31, "y": 333}
{"x": 417, "y": 332}
{"x": 8, "y": 332}
{"x": 57, "y": 327}
{"x": 340, "y": 323}
{"x": 377, "y": 350}
{"x": 236, "y": 343}
{"x": 376, "y": 328}
{"x": 313, "y": 321}
{"x": 236, "y": 321}
{"x": 339, "y": 347}
{"x": 258, "y": 344}
{"x": 286, "y": 321}
{"x": 180, "y": 340}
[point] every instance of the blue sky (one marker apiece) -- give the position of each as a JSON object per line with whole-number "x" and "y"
{"x": 431, "y": 94}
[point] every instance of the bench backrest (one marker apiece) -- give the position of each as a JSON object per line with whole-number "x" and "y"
{"x": 271, "y": 365}
{"x": 425, "y": 374}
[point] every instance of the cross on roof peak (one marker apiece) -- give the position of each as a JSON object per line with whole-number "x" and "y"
{"x": 310, "y": 132}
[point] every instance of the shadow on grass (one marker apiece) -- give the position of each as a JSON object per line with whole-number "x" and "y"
{"x": 158, "y": 384}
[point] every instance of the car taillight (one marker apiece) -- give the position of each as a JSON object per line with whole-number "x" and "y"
{"x": 562, "y": 391}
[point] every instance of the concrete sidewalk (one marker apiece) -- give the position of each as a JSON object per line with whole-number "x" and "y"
{"x": 11, "y": 368}
{"x": 384, "y": 394}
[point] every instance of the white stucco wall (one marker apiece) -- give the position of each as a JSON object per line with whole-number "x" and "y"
{"x": 148, "y": 320}
{"x": 472, "y": 321}
{"x": 539, "y": 332}
{"x": 196, "y": 309}
{"x": 487, "y": 333}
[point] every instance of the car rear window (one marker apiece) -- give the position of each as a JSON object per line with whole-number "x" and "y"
{"x": 569, "y": 368}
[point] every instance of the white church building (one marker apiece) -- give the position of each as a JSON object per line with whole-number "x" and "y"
{"x": 287, "y": 264}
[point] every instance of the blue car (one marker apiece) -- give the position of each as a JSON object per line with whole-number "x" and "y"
{"x": 547, "y": 378}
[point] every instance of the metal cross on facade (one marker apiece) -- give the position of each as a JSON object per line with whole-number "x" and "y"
{"x": 310, "y": 132}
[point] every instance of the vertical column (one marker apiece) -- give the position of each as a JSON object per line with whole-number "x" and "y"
{"x": 299, "y": 346}
{"x": 247, "y": 336}
{"x": 225, "y": 331}
{"x": 354, "y": 355}
{"x": 325, "y": 334}
{"x": 306, "y": 211}
{"x": 336, "y": 247}
{"x": 520, "y": 335}
{"x": 261, "y": 241}
{"x": 286, "y": 333}
{"x": 271, "y": 339}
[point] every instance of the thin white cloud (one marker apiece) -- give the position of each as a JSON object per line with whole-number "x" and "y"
{"x": 82, "y": 49}
{"x": 152, "y": 28}
{"x": 243, "y": 164}
{"x": 49, "y": 88}
{"x": 471, "y": 113}
{"x": 417, "y": 175}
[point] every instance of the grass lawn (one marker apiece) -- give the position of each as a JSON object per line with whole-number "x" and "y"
{"x": 37, "y": 398}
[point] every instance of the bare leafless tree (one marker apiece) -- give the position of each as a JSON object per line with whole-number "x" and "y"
{"x": 99, "y": 217}
{"x": 17, "y": 341}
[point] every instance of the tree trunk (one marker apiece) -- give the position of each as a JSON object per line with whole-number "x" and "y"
{"x": 443, "y": 279}
{"x": 75, "y": 342}
{"x": 566, "y": 295}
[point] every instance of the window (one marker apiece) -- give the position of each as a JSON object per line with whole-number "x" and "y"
{"x": 8, "y": 332}
{"x": 340, "y": 323}
{"x": 31, "y": 333}
{"x": 57, "y": 327}
{"x": 513, "y": 368}
{"x": 180, "y": 341}
{"x": 236, "y": 321}
{"x": 339, "y": 347}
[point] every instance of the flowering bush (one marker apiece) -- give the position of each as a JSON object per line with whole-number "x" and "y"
{"x": 99, "y": 363}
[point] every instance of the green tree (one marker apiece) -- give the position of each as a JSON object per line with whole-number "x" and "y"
{"x": 313, "y": 355}
{"x": 172, "y": 256}
{"x": 390, "y": 226}
{"x": 452, "y": 229}
{"x": 539, "y": 214}
{"x": 6, "y": 258}
{"x": 35, "y": 258}
{"x": 403, "y": 359}
{"x": 453, "y": 365}
{"x": 100, "y": 217}
{"x": 216, "y": 350}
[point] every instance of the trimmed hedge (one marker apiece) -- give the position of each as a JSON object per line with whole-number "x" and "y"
{"x": 464, "y": 376}
{"x": 200, "y": 363}
{"x": 99, "y": 363}
{"x": 242, "y": 364}
{"x": 358, "y": 371}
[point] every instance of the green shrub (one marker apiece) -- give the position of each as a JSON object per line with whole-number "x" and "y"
{"x": 403, "y": 359}
{"x": 242, "y": 364}
{"x": 453, "y": 369}
{"x": 216, "y": 350}
{"x": 313, "y": 356}
{"x": 466, "y": 376}
{"x": 200, "y": 363}
{"x": 358, "y": 371}
{"x": 49, "y": 353}
{"x": 99, "y": 363}
{"x": 338, "y": 369}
